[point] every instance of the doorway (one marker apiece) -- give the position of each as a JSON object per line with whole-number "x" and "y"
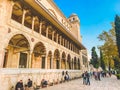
{"x": 23, "y": 60}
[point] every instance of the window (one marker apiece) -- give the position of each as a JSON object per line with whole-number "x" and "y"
{"x": 43, "y": 62}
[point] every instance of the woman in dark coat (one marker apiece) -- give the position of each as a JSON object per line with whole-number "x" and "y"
{"x": 19, "y": 85}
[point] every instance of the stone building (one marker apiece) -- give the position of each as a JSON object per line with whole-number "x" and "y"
{"x": 37, "y": 41}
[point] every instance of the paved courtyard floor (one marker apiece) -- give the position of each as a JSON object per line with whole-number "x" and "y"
{"x": 108, "y": 83}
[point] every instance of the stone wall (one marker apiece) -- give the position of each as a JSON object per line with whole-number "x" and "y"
{"x": 9, "y": 77}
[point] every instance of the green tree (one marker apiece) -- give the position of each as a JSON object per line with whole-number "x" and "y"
{"x": 117, "y": 63}
{"x": 117, "y": 30}
{"x": 94, "y": 59}
{"x": 109, "y": 48}
{"x": 102, "y": 62}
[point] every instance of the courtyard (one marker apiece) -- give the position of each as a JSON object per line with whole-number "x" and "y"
{"x": 107, "y": 83}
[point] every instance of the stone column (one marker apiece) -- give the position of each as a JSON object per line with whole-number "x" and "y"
{"x": 46, "y": 61}
{"x": 53, "y": 35}
{"x": 60, "y": 39}
{"x": 11, "y": 9}
{"x": 70, "y": 46}
{"x": 60, "y": 61}
{"x": 73, "y": 48}
{"x": 2, "y": 53}
{"x": 47, "y": 31}
{"x": 30, "y": 60}
{"x": 33, "y": 22}
{"x": 57, "y": 38}
{"x": 40, "y": 27}
{"x": 23, "y": 16}
{"x": 63, "y": 42}
{"x": 52, "y": 64}
{"x": 66, "y": 43}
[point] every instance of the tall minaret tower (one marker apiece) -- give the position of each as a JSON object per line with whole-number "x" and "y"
{"x": 75, "y": 26}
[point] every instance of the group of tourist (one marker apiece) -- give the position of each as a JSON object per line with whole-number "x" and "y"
{"x": 86, "y": 78}
{"x": 29, "y": 85}
{"x": 20, "y": 86}
{"x": 96, "y": 74}
{"x": 44, "y": 83}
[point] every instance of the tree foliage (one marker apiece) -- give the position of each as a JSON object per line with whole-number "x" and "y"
{"x": 117, "y": 30}
{"x": 94, "y": 60}
{"x": 109, "y": 48}
{"x": 102, "y": 62}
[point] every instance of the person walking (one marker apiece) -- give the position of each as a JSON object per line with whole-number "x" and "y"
{"x": 19, "y": 85}
{"x": 84, "y": 78}
{"x": 87, "y": 78}
{"x": 99, "y": 76}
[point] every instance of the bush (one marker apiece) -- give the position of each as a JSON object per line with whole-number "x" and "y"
{"x": 118, "y": 76}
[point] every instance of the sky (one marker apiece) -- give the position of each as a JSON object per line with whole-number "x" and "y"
{"x": 95, "y": 17}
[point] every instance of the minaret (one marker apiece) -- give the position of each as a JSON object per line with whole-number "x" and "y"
{"x": 75, "y": 26}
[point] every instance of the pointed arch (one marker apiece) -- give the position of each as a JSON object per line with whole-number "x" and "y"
{"x": 49, "y": 60}
{"x": 63, "y": 65}
{"x": 39, "y": 53}
{"x": 56, "y": 59}
{"x": 17, "y": 52}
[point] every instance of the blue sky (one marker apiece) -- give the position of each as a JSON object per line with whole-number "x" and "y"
{"x": 95, "y": 16}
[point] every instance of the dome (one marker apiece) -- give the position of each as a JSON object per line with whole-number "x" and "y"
{"x": 74, "y": 17}
{"x": 73, "y": 14}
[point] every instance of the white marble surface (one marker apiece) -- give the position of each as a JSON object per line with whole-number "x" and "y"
{"x": 108, "y": 83}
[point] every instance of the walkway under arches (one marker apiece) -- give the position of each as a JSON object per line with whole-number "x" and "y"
{"x": 38, "y": 56}
{"x": 17, "y": 52}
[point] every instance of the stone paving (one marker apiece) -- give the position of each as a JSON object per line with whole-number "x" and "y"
{"x": 108, "y": 83}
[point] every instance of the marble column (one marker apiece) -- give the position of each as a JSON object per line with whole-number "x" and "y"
{"x": 46, "y": 60}
{"x": 57, "y": 38}
{"x": 30, "y": 60}
{"x": 40, "y": 27}
{"x": 53, "y": 35}
{"x": 11, "y": 10}
{"x": 33, "y": 23}
{"x": 47, "y": 31}
{"x": 60, "y": 39}
{"x": 52, "y": 63}
{"x": 23, "y": 16}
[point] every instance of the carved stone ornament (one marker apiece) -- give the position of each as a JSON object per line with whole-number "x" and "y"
{"x": 32, "y": 39}
{"x": 9, "y": 30}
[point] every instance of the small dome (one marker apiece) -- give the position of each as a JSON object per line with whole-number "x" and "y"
{"x": 73, "y": 18}
{"x": 73, "y": 14}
